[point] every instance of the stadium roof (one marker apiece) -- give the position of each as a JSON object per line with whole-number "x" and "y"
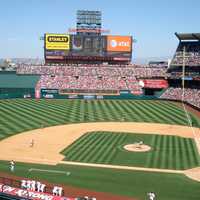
{"x": 188, "y": 36}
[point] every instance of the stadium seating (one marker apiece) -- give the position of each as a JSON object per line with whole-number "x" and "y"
{"x": 192, "y": 54}
{"x": 93, "y": 70}
{"x": 91, "y": 77}
{"x": 191, "y": 96}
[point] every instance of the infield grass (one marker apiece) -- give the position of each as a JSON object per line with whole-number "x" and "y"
{"x": 168, "y": 152}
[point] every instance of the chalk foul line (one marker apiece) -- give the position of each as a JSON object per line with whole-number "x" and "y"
{"x": 123, "y": 167}
{"x": 50, "y": 171}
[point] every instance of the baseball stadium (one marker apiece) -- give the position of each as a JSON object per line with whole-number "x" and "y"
{"x": 89, "y": 124}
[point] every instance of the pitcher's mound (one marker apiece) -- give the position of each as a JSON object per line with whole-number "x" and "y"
{"x": 137, "y": 147}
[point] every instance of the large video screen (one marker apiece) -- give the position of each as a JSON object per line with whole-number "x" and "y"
{"x": 86, "y": 45}
{"x": 117, "y": 47}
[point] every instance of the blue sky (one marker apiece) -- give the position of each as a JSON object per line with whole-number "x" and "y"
{"x": 151, "y": 22}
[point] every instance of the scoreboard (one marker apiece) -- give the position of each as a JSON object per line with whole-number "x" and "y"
{"x": 65, "y": 47}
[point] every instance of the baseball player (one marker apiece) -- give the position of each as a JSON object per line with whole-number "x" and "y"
{"x": 38, "y": 186}
{"x": 60, "y": 191}
{"x": 151, "y": 195}
{"x": 23, "y": 184}
{"x": 32, "y": 143}
{"x": 12, "y": 166}
{"x": 33, "y": 184}
{"x": 42, "y": 187}
{"x": 29, "y": 184}
{"x": 55, "y": 190}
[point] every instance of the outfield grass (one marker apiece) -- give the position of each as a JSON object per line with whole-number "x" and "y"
{"x": 21, "y": 114}
{"x": 119, "y": 182}
{"x": 168, "y": 152}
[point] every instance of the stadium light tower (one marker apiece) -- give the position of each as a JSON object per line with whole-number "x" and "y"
{"x": 88, "y": 22}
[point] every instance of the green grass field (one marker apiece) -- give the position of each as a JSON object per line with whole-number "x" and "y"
{"x": 119, "y": 182}
{"x": 21, "y": 115}
{"x": 168, "y": 152}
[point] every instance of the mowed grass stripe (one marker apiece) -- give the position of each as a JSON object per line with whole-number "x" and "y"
{"x": 49, "y": 117}
{"x": 171, "y": 114}
{"x": 24, "y": 116}
{"x": 184, "y": 159}
{"x": 142, "y": 113}
{"x": 111, "y": 156}
{"x": 166, "y": 115}
{"x": 135, "y": 108}
{"x": 129, "y": 113}
{"x": 98, "y": 145}
{"x": 110, "y": 149}
{"x": 91, "y": 146}
{"x": 10, "y": 120}
{"x": 150, "y": 158}
{"x": 100, "y": 148}
{"x": 189, "y": 146}
{"x": 180, "y": 112}
{"x": 156, "y": 115}
{"x": 78, "y": 145}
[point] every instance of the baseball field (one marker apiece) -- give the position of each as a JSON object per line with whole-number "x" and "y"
{"x": 87, "y": 139}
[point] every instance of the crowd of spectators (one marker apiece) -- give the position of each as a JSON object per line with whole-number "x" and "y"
{"x": 192, "y": 54}
{"x": 192, "y": 75}
{"x": 191, "y": 96}
{"x": 93, "y": 70}
{"x": 92, "y": 77}
{"x": 89, "y": 82}
{"x": 191, "y": 59}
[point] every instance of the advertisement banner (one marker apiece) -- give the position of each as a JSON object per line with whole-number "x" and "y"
{"x": 119, "y": 43}
{"x": 88, "y": 97}
{"x": 137, "y": 92}
{"x": 55, "y": 53}
{"x": 29, "y": 194}
{"x": 57, "y": 41}
{"x": 147, "y": 83}
{"x": 55, "y": 57}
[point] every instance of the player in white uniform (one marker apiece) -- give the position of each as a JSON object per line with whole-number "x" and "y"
{"x": 42, "y": 187}
{"x": 33, "y": 183}
{"x": 29, "y": 184}
{"x": 55, "y": 190}
{"x": 23, "y": 184}
{"x": 60, "y": 191}
{"x": 38, "y": 185}
{"x": 151, "y": 196}
{"x": 12, "y": 166}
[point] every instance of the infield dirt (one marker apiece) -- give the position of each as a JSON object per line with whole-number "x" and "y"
{"x": 50, "y": 141}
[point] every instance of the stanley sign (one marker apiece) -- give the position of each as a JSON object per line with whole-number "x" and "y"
{"x": 57, "y": 41}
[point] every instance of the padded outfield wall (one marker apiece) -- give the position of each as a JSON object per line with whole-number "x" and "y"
{"x": 17, "y": 86}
